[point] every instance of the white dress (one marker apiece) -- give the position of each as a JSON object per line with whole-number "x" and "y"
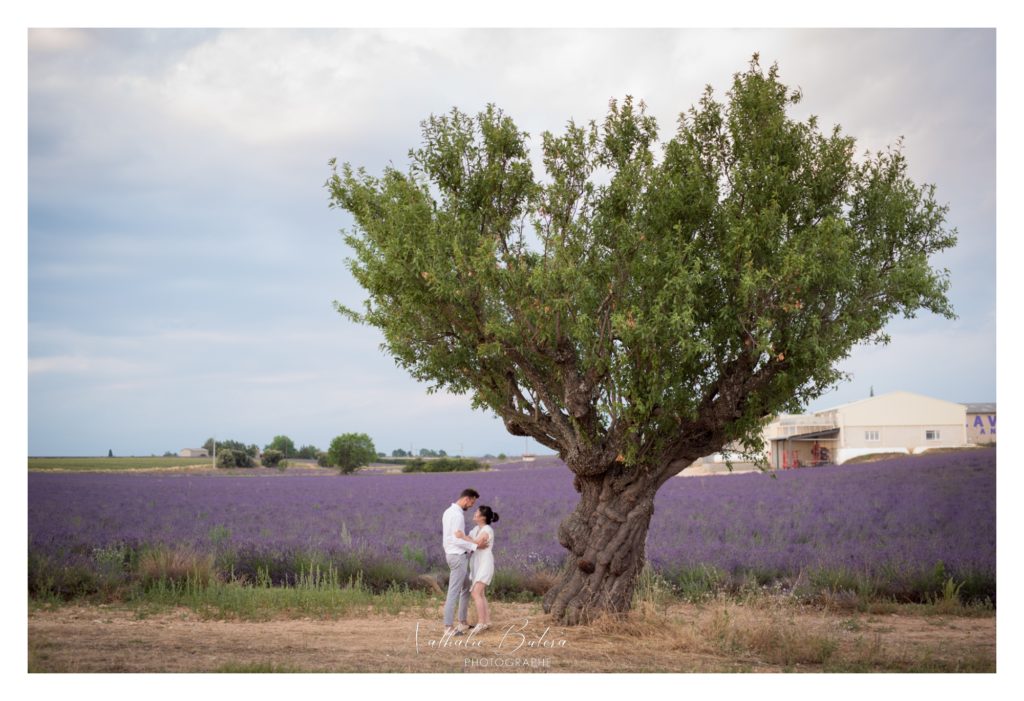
{"x": 481, "y": 564}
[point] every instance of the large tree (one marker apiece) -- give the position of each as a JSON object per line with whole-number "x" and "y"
{"x": 635, "y": 313}
{"x": 284, "y": 444}
{"x": 350, "y": 451}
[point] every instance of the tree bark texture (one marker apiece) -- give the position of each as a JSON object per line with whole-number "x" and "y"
{"x": 605, "y": 536}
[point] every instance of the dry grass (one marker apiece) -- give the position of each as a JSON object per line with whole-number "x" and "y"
{"x": 720, "y": 636}
{"x": 759, "y": 637}
{"x": 764, "y": 633}
{"x": 179, "y": 565}
{"x": 538, "y": 583}
{"x": 749, "y": 637}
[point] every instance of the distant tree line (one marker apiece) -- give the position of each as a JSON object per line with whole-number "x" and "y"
{"x": 442, "y": 465}
{"x": 347, "y": 452}
{"x": 424, "y": 453}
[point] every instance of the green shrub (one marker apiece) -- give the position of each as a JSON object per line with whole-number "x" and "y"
{"x": 307, "y": 452}
{"x": 443, "y": 465}
{"x": 233, "y": 458}
{"x": 272, "y": 458}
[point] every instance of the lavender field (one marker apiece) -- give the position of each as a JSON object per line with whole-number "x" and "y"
{"x": 900, "y": 527}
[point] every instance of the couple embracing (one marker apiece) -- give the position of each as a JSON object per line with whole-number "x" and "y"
{"x": 471, "y": 561}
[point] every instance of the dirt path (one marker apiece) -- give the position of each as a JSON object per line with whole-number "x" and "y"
{"x": 722, "y": 637}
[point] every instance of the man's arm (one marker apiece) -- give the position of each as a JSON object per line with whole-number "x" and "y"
{"x": 481, "y": 542}
{"x": 452, "y": 529}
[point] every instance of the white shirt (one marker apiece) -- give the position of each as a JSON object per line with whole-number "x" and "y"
{"x": 454, "y": 519}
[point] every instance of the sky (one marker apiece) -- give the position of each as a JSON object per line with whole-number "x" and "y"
{"x": 182, "y": 258}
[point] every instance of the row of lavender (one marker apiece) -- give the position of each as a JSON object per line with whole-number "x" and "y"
{"x": 894, "y": 522}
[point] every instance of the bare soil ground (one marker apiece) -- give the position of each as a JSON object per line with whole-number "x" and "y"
{"x": 720, "y": 636}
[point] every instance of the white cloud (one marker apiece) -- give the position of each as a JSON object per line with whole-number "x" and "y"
{"x": 172, "y": 176}
{"x": 263, "y": 86}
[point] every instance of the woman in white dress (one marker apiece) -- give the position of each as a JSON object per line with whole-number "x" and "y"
{"x": 481, "y": 563}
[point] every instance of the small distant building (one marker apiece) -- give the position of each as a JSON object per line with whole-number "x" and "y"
{"x": 897, "y": 422}
{"x": 194, "y": 453}
{"x": 981, "y": 422}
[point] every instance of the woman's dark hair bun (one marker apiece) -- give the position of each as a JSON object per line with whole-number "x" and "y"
{"x": 489, "y": 514}
{"x": 494, "y": 516}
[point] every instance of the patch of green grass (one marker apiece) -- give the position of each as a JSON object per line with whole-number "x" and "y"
{"x": 111, "y": 464}
{"x": 860, "y": 590}
{"x": 115, "y": 572}
{"x": 316, "y": 594}
{"x": 697, "y": 584}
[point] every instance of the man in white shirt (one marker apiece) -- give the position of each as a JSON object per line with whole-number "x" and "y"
{"x": 456, "y": 552}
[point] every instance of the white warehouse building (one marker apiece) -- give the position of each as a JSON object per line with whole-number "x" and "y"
{"x": 898, "y": 422}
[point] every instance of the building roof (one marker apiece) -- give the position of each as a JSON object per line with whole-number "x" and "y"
{"x": 882, "y": 396}
{"x": 980, "y": 407}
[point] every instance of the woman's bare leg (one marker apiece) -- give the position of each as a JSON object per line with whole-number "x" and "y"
{"x": 483, "y": 607}
{"x": 480, "y": 602}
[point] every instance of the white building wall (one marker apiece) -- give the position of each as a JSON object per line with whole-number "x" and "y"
{"x": 902, "y": 422}
{"x": 901, "y": 419}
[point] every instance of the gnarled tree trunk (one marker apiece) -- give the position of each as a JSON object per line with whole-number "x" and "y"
{"x": 605, "y": 536}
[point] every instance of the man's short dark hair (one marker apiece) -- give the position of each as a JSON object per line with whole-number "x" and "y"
{"x": 469, "y": 493}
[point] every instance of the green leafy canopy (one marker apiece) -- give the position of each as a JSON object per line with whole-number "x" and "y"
{"x": 350, "y": 451}
{"x": 632, "y": 307}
